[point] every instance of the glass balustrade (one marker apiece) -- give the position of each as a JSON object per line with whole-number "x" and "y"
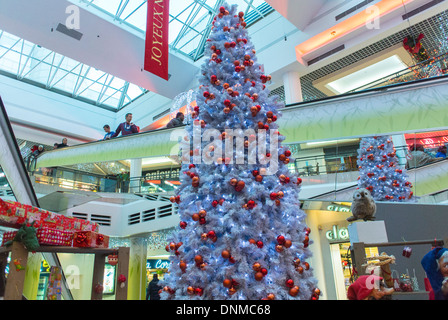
{"x": 328, "y": 168}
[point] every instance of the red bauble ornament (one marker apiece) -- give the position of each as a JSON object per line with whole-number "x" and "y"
{"x": 264, "y": 271}
{"x": 258, "y": 276}
{"x": 240, "y": 186}
{"x": 227, "y": 283}
{"x": 260, "y": 244}
{"x": 289, "y": 283}
{"x": 225, "y": 254}
{"x": 251, "y": 204}
{"x": 273, "y": 196}
{"x": 211, "y": 234}
{"x": 183, "y": 224}
{"x": 281, "y": 239}
{"x": 294, "y": 291}
{"x": 256, "y": 266}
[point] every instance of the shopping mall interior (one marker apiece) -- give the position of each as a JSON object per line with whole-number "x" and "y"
{"x": 342, "y": 72}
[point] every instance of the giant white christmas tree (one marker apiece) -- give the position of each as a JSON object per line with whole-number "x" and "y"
{"x": 242, "y": 233}
{"x": 379, "y": 171}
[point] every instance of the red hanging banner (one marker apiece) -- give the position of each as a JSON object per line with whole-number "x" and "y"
{"x": 156, "y": 48}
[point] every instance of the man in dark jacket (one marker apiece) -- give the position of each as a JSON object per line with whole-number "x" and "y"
{"x": 152, "y": 292}
{"x": 178, "y": 121}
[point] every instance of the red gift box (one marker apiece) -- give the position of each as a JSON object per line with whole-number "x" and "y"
{"x": 90, "y": 239}
{"x": 14, "y": 214}
{"x": 45, "y": 236}
{"x": 8, "y": 236}
{"x": 54, "y": 237}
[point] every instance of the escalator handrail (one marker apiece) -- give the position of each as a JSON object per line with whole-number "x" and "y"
{"x": 15, "y": 151}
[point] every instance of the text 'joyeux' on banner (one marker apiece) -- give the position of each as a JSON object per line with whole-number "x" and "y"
{"x": 156, "y": 48}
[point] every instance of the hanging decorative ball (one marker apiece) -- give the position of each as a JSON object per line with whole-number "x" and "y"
{"x": 287, "y": 244}
{"x": 227, "y": 283}
{"x": 279, "y": 248}
{"x": 264, "y": 271}
{"x": 225, "y": 254}
{"x": 271, "y": 296}
{"x": 256, "y": 266}
{"x": 183, "y": 224}
{"x": 211, "y": 234}
{"x": 260, "y": 244}
{"x": 233, "y": 182}
{"x": 202, "y": 213}
{"x": 182, "y": 265}
{"x": 240, "y": 186}
{"x": 204, "y": 237}
{"x": 251, "y": 204}
{"x": 289, "y": 283}
{"x": 198, "y": 259}
{"x": 190, "y": 290}
{"x": 112, "y": 259}
{"x": 259, "y": 276}
{"x": 195, "y": 217}
{"x": 195, "y": 182}
{"x": 281, "y": 239}
{"x": 199, "y": 291}
{"x": 294, "y": 291}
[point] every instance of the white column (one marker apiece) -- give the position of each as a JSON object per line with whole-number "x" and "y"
{"x": 293, "y": 88}
{"x": 134, "y": 173}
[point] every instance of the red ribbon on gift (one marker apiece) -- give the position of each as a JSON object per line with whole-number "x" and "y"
{"x": 81, "y": 238}
{"x": 100, "y": 239}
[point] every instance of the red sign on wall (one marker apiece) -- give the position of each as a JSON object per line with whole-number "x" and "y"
{"x": 156, "y": 48}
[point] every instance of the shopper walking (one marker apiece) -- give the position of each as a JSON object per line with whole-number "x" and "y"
{"x": 152, "y": 292}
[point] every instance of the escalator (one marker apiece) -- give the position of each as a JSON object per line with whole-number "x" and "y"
{"x": 14, "y": 170}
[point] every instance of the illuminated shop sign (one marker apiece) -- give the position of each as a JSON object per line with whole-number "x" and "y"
{"x": 336, "y": 208}
{"x": 157, "y": 264}
{"x": 337, "y": 234}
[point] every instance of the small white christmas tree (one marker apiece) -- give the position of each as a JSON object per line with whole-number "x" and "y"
{"x": 242, "y": 233}
{"x": 379, "y": 171}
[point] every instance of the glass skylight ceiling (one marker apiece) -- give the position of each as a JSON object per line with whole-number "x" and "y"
{"x": 28, "y": 62}
{"x": 190, "y": 20}
{"x": 190, "y": 26}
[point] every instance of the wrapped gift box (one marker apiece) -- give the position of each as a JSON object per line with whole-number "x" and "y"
{"x": 54, "y": 284}
{"x": 90, "y": 239}
{"x": 14, "y": 214}
{"x": 8, "y": 236}
{"x": 46, "y": 236}
{"x": 54, "y": 237}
